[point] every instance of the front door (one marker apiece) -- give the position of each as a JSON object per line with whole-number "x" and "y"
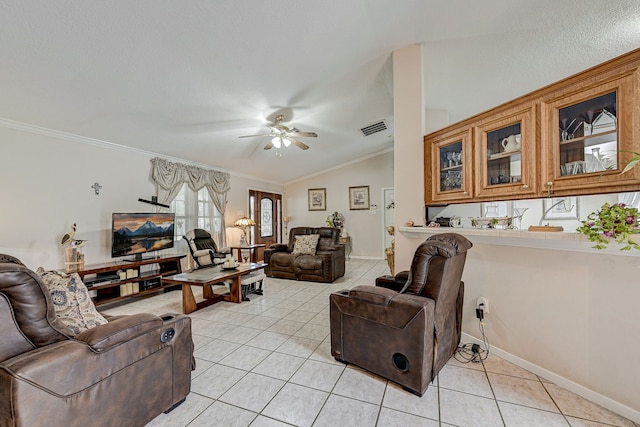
{"x": 266, "y": 211}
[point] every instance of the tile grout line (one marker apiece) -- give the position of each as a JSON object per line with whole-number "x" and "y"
{"x": 495, "y": 399}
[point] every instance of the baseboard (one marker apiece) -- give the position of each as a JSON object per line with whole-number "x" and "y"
{"x": 612, "y": 405}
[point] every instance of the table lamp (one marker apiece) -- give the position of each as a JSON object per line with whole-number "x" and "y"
{"x": 243, "y": 223}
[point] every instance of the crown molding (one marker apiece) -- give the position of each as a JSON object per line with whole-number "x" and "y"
{"x": 66, "y": 136}
{"x": 350, "y": 162}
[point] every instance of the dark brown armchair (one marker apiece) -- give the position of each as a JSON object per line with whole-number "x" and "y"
{"x": 325, "y": 265}
{"x": 405, "y": 336}
{"x": 124, "y": 372}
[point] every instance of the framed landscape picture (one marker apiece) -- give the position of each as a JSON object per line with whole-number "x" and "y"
{"x": 359, "y": 197}
{"x": 317, "y": 199}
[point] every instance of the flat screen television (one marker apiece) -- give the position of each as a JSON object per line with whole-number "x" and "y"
{"x": 138, "y": 233}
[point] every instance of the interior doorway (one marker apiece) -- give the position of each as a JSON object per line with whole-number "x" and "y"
{"x": 389, "y": 217}
{"x": 265, "y": 209}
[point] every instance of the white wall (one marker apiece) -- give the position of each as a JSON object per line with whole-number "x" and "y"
{"x": 46, "y": 186}
{"x": 364, "y": 226}
{"x": 574, "y": 314}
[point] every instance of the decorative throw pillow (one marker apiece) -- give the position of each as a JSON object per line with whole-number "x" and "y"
{"x": 71, "y": 300}
{"x": 305, "y": 244}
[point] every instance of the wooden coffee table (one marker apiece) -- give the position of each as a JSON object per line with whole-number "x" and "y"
{"x": 206, "y": 277}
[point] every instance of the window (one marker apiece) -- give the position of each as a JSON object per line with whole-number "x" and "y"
{"x": 194, "y": 209}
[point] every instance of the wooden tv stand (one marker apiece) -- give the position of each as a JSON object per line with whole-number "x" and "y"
{"x": 109, "y": 287}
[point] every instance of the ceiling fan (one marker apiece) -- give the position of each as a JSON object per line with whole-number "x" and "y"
{"x": 284, "y": 136}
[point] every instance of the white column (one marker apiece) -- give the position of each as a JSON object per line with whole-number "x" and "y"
{"x": 408, "y": 105}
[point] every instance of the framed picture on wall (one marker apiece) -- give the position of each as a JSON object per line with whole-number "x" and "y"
{"x": 317, "y": 199}
{"x": 359, "y": 197}
{"x": 560, "y": 208}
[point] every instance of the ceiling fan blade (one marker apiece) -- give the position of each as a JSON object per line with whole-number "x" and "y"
{"x": 299, "y": 144}
{"x": 251, "y": 136}
{"x": 303, "y": 134}
{"x": 269, "y": 146}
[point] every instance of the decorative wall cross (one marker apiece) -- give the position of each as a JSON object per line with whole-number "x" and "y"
{"x": 96, "y": 186}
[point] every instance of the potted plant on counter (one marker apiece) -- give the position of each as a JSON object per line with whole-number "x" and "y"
{"x": 613, "y": 222}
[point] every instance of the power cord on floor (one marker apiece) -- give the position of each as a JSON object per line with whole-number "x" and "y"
{"x": 474, "y": 352}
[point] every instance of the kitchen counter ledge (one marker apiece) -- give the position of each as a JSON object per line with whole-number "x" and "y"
{"x": 561, "y": 241}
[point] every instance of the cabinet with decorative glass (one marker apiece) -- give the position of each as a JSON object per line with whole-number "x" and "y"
{"x": 591, "y": 133}
{"x": 505, "y": 153}
{"x": 451, "y": 158}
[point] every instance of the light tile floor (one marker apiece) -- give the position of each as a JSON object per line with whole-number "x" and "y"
{"x": 267, "y": 363}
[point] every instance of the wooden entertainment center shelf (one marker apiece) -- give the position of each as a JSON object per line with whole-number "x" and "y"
{"x": 115, "y": 281}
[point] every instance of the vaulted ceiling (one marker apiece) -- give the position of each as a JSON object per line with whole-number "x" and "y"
{"x": 185, "y": 78}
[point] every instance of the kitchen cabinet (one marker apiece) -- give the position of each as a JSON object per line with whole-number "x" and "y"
{"x": 590, "y": 134}
{"x": 570, "y": 138}
{"x": 505, "y": 154}
{"x": 451, "y": 158}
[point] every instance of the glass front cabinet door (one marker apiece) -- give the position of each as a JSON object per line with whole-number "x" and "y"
{"x": 451, "y": 167}
{"x": 591, "y": 137}
{"x": 504, "y": 155}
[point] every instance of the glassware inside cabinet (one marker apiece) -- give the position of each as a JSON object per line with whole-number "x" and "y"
{"x": 504, "y": 155}
{"x": 451, "y": 160}
{"x": 588, "y": 133}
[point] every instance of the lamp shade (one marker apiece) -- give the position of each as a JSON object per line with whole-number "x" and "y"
{"x": 244, "y": 222}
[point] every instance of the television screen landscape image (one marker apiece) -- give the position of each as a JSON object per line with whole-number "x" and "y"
{"x": 137, "y": 233}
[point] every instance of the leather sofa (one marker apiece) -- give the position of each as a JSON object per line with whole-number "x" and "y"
{"x": 326, "y": 265}
{"x": 406, "y": 336}
{"x": 122, "y": 373}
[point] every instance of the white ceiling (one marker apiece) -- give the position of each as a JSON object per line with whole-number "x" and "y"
{"x": 186, "y": 78}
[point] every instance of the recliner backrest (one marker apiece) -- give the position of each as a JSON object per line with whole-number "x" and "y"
{"x": 329, "y": 236}
{"x": 436, "y": 273}
{"x": 201, "y": 239}
{"x": 438, "y": 261}
{"x": 33, "y": 311}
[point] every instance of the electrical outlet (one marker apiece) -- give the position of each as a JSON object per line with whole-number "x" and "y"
{"x": 483, "y": 303}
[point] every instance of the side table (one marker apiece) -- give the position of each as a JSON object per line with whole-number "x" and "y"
{"x": 346, "y": 241}
{"x": 250, "y": 248}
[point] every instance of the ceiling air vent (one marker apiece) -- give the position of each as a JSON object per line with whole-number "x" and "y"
{"x": 376, "y": 127}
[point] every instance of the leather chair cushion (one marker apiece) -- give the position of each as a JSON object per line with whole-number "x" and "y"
{"x": 282, "y": 261}
{"x": 309, "y": 262}
{"x": 71, "y": 301}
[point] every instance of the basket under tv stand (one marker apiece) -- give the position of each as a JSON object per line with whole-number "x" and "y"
{"x": 120, "y": 280}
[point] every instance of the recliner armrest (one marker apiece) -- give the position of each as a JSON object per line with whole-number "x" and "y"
{"x": 395, "y": 283}
{"x": 373, "y": 295}
{"x": 202, "y": 252}
{"x": 120, "y": 330}
{"x": 278, "y": 247}
{"x": 397, "y": 312}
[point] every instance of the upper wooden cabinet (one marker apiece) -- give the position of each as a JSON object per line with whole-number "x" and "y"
{"x": 505, "y": 150}
{"x": 590, "y": 134}
{"x": 451, "y": 158}
{"x": 570, "y": 138}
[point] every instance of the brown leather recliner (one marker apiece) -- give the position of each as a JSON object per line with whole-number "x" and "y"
{"x": 326, "y": 265}
{"x": 406, "y": 336}
{"x": 124, "y": 373}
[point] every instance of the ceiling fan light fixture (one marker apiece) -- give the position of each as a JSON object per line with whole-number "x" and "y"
{"x": 286, "y": 141}
{"x": 277, "y": 142}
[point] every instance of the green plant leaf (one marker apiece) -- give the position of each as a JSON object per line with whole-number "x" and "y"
{"x": 631, "y": 165}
